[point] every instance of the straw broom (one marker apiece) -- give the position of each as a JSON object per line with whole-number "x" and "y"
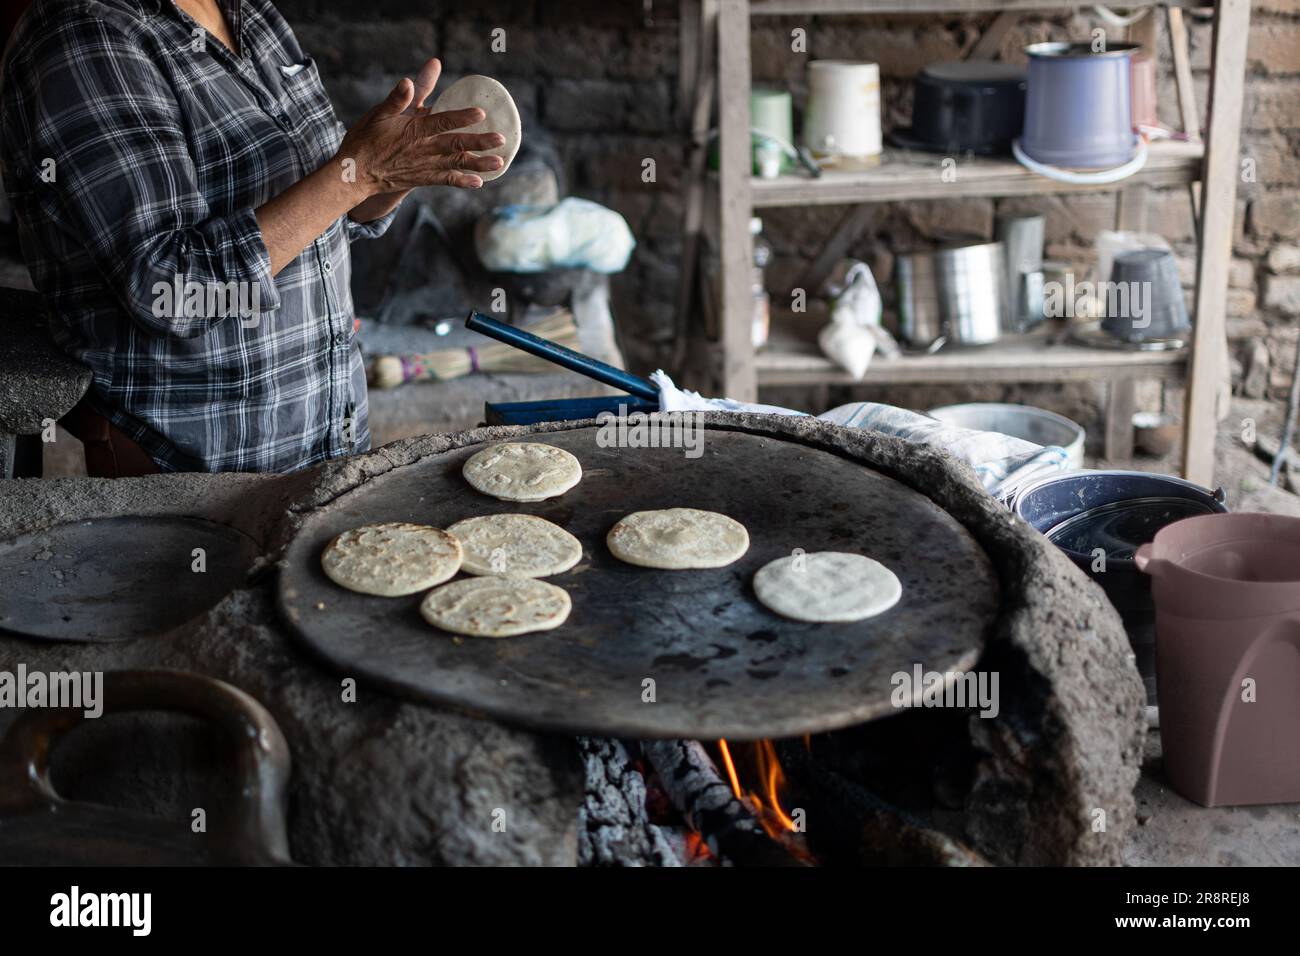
{"x": 440, "y": 365}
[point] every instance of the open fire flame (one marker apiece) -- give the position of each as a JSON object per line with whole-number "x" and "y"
{"x": 764, "y": 799}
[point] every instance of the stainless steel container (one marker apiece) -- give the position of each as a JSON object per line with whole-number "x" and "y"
{"x": 1022, "y": 243}
{"x": 972, "y": 292}
{"x": 920, "y": 322}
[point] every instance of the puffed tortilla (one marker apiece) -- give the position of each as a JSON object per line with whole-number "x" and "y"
{"x": 827, "y": 587}
{"x": 391, "y": 559}
{"x": 502, "y": 116}
{"x": 678, "y": 539}
{"x": 522, "y": 471}
{"x": 496, "y": 607}
{"x": 515, "y": 546}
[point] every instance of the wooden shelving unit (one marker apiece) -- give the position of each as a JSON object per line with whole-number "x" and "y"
{"x": 908, "y": 174}
{"x": 1210, "y": 169}
{"x": 793, "y": 359}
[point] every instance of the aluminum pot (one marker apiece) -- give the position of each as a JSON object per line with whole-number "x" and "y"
{"x": 1078, "y": 105}
{"x": 955, "y": 294}
{"x": 1116, "y": 508}
{"x": 1036, "y": 425}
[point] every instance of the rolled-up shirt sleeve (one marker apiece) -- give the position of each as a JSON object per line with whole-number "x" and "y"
{"x": 373, "y": 229}
{"x": 122, "y": 183}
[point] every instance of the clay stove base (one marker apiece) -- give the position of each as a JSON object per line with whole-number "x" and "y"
{"x": 381, "y": 781}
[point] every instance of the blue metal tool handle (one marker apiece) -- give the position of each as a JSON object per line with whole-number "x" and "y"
{"x": 566, "y": 357}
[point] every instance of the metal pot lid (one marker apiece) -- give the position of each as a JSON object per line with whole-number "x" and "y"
{"x": 1079, "y": 51}
{"x": 1094, "y": 336}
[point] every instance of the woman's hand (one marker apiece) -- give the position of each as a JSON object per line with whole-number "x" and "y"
{"x": 400, "y": 144}
{"x": 397, "y": 146}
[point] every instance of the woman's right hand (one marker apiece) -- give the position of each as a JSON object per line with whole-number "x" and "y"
{"x": 396, "y": 150}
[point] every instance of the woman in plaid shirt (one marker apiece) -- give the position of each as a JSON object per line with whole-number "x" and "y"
{"x": 185, "y": 199}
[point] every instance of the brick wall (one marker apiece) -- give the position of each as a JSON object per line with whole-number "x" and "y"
{"x": 600, "y": 81}
{"x": 603, "y": 82}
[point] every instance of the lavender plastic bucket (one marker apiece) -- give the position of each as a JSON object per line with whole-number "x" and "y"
{"x": 1078, "y": 106}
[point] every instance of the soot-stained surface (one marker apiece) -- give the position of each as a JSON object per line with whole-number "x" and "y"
{"x": 722, "y": 664}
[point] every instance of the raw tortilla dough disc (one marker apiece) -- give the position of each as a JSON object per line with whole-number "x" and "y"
{"x": 832, "y": 586}
{"x": 391, "y": 559}
{"x": 522, "y": 471}
{"x": 502, "y": 116}
{"x": 678, "y": 538}
{"x": 496, "y": 607}
{"x": 515, "y": 546}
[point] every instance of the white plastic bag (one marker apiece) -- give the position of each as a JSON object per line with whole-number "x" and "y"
{"x": 572, "y": 234}
{"x": 854, "y": 332}
{"x": 1003, "y": 465}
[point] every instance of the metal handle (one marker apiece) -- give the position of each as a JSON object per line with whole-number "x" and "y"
{"x": 564, "y": 357}
{"x": 262, "y": 753}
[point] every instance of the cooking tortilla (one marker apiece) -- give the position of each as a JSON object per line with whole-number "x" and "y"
{"x": 522, "y": 471}
{"x": 502, "y": 116}
{"x": 496, "y": 607}
{"x": 515, "y": 546}
{"x": 678, "y": 539}
{"x": 827, "y": 586}
{"x": 391, "y": 559}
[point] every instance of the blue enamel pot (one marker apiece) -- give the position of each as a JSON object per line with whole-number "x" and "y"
{"x": 1078, "y": 106}
{"x": 1088, "y": 514}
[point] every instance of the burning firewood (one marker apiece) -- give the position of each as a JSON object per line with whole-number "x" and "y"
{"x": 705, "y": 799}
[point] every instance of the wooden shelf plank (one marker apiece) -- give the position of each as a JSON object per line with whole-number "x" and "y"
{"x": 760, "y": 8}
{"x": 1020, "y": 359}
{"x": 910, "y": 174}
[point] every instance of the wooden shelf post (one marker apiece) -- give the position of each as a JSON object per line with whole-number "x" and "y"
{"x": 736, "y": 163}
{"x": 1209, "y": 362}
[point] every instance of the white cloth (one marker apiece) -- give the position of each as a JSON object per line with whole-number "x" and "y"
{"x": 1004, "y": 465}
{"x": 674, "y": 399}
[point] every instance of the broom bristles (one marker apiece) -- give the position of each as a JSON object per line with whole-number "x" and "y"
{"x": 389, "y": 371}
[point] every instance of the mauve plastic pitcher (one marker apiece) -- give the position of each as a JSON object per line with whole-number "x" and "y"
{"x": 1227, "y": 596}
{"x": 1078, "y": 106}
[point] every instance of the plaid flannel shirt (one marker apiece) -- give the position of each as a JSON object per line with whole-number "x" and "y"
{"x": 135, "y": 148}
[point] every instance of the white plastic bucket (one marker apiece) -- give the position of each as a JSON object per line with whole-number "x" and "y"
{"x": 842, "y": 121}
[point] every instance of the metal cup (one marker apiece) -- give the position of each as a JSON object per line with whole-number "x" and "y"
{"x": 920, "y": 323}
{"x": 972, "y": 292}
{"x": 1022, "y": 241}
